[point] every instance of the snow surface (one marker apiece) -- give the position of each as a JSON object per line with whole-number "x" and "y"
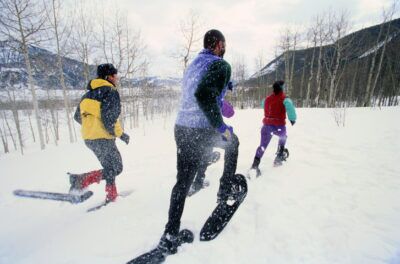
{"x": 336, "y": 200}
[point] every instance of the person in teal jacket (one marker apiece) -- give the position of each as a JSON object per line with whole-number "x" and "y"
{"x": 276, "y": 106}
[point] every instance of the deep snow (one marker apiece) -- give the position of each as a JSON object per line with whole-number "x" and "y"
{"x": 336, "y": 200}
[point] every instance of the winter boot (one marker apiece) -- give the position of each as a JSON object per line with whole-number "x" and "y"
{"x": 111, "y": 190}
{"x": 168, "y": 244}
{"x": 79, "y": 182}
{"x": 281, "y": 155}
{"x": 255, "y": 165}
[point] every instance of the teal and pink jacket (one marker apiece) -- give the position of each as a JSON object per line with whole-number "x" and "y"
{"x": 275, "y": 108}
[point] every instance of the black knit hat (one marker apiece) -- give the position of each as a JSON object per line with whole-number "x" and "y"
{"x": 278, "y": 86}
{"x": 106, "y": 69}
{"x": 211, "y": 38}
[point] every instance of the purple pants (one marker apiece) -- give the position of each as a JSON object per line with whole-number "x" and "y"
{"x": 266, "y": 134}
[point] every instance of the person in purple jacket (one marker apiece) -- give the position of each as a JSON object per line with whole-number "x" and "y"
{"x": 199, "y": 126}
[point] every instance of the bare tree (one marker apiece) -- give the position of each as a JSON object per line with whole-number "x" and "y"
{"x": 122, "y": 46}
{"x": 322, "y": 37}
{"x": 259, "y": 63}
{"x": 288, "y": 44}
{"x": 303, "y": 77}
{"x": 28, "y": 112}
{"x": 14, "y": 110}
{"x": 82, "y": 39}
{"x": 136, "y": 60}
{"x": 285, "y": 46}
{"x": 50, "y": 104}
{"x": 10, "y": 133}
{"x": 338, "y": 28}
{"x": 4, "y": 139}
{"x": 353, "y": 82}
{"x": 239, "y": 74}
{"x": 313, "y": 35}
{"x": 295, "y": 40}
{"x": 61, "y": 32}
{"x": 10, "y": 79}
{"x": 23, "y": 21}
{"x": 375, "y": 69}
{"x": 190, "y": 28}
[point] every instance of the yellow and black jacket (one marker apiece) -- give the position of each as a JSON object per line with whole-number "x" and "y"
{"x": 99, "y": 110}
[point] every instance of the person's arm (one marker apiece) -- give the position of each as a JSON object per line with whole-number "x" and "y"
{"x": 110, "y": 111}
{"x": 290, "y": 110}
{"x": 209, "y": 88}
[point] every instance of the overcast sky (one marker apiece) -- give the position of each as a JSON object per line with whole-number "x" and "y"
{"x": 250, "y": 26}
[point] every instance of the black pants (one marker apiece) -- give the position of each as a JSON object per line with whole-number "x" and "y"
{"x": 193, "y": 146}
{"x": 109, "y": 157}
{"x": 201, "y": 171}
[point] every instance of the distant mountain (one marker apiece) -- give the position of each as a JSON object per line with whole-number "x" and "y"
{"x": 45, "y": 74}
{"x": 360, "y": 48}
{"x": 44, "y": 64}
{"x": 362, "y": 45}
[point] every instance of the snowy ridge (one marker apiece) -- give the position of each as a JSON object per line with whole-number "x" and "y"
{"x": 44, "y": 65}
{"x": 377, "y": 47}
{"x": 271, "y": 67}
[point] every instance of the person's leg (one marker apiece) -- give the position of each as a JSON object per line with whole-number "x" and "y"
{"x": 189, "y": 153}
{"x": 266, "y": 135}
{"x": 280, "y": 131}
{"x": 81, "y": 181}
{"x": 109, "y": 157}
{"x": 201, "y": 172}
{"x": 231, "y": 148}
{"x": 112, "y": 167}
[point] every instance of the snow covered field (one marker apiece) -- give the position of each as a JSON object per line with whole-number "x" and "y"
{"x": 336, "y": 200}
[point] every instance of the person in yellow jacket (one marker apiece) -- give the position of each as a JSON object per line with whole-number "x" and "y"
{"x": 98, "y": 113}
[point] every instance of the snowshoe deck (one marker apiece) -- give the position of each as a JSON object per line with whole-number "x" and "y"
{"x": 224, "y": 211}
{"x": 65, "y": 197}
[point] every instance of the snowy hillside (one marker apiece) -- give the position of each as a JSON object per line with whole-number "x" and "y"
{"x": 13, "y": 71}
{"x": 336, "y": 200}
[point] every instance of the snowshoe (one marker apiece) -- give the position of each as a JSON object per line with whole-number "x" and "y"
{"x": 225, "y": 209}
{"x": 281, "y": 156}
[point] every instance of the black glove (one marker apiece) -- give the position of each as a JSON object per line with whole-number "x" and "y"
{"x": 292, "y": 122}
{"x": 125, "y": 137}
